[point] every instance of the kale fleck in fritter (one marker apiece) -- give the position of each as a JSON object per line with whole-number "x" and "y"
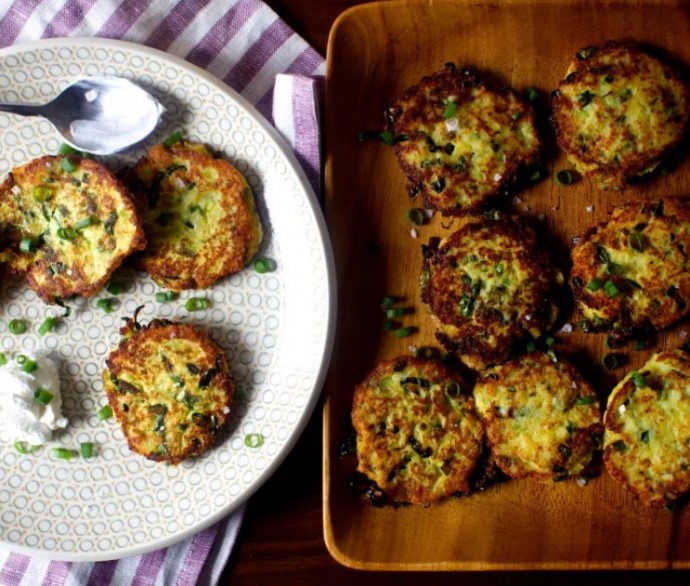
{"x": 542, "y": 418}
{"x": 170, "y": 388}
{"x": 418, "y": 438}
{"x": 488, "y": 286}
{"x": 647, "y": 429}
{"x": 631, "y": 274}
{"x": 458, "y": 142}
{"x": 199, "y": 216}
{"x": 66, "y": 223}
{"x": 618, "y": 113}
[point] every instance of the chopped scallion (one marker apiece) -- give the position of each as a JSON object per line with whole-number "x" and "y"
{"x": 253, "y": 440}
{"x": 115, "y": 288}
{"x": 264, "y": 265}
{"x": 564, "y": 177}
{"x": 639, "y": 380}
{"x": 48, "y": 325}
{"x": 610, "y": 361}
{"x": 394, "y": 312}
{"x": 595, "y": 284}
{"x": 27, "y": 245}
{"x": 105, "y": 412}
{"x": 196, "y": 304}
{"x": 3, "y": 359}
{"x": 86, "y": 449}
{"x": 28, "y": 365}
{"x": 42, "y": 192}
{"x": 17, "y": 326}
{"x": 532, "y": 94}
{"x": 388, "y": 300}
{"x": 175, "y": 137}
{"x": 452, "y": 389}
{"x": 405, "y": 331}
{"x": 611, "y": 289}
{"x": 25, "y": 447}
{"x": 66, "y": 233}
{"x": 105, "y": 305}
{"x": 450, "y": 110}
{"x": 636, "y": 241}
{"x": 416, "y": 216}
{"x": 62, "y": 453}
{"x": 165, "y": 296}
{"x": 84, "y": 223}
{"x": 43, "y": 396}
{"x": 68, "y": 165}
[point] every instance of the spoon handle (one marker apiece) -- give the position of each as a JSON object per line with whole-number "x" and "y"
{"x": 21, "y": 109}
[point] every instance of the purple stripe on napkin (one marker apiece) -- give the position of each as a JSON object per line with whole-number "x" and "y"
{"x": 68, "y": 19}
{"x": 196, "y": 555}
{"x": 14, "y": 20}
{"x": 57, "y": 573}
{"x": 267, "y": 45}
{"x": 214, "y": 41}
{"x": 148, "y": 568}
{"x": 123, "y": 18}
{"x": 174, "y": 22}
{"x": 14, "y": 568}
{"x": 102, "y": 574}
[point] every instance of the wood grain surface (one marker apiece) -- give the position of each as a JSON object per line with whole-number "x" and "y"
{"x": 281, "y": 541}
{"x": 374, "y": 53}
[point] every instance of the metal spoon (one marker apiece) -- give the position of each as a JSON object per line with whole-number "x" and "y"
{"x": 100, "y": 114}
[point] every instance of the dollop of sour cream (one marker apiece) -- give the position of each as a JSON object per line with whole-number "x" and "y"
{"x": 22, "y": 417}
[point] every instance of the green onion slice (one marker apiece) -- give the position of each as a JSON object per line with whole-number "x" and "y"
{"x": 404, "y": 332}
{"x": 68, "y": 165}
{"x": 48, "y": 325}
{"x": 115, "y": 288}
{"x": 105, "y": 304}
{"x": 394, "y": 312}
{"x": 86, "y": 449}
{"x": 416, "y": 216}
{"x": 62, "y": 453}
{"x": 595, "y": 284}
{"x": 450, "y": 110}
{"x": 67, "y": 149}
{"x": 165, "y": 296}
{"x": 17, "y": 326}
{"x": 610, "y": 361}
{"x": 105, "y": 412}
{"x": 43, "y": 396}
{"x": 66, "y": 233}
{"x": 264, "y": 265}
{"x": 196, "y": 304}
{"x": 532, "y": 94}
{"x": 639, "y": 380}
{"x": 388, "y": 300}
{"x": 27, "y": 364}
{"x": 586, "y": 400}
{"x": 27, "y": 245}
{"x": 636, "y": 241}
{"x": 25, "y": 447}
{"x": 253, "y": 440}
{"x": 564, "y": 177}
{"x": 84, "y": 223}
{"x": 389, "y": 326}
{"x": 42, "y": 192}
{"x": 452, "y": 389}
{"x": 175, "y": 137}
{"x": 3, "y": 359}
{"x": 611, "y": 289}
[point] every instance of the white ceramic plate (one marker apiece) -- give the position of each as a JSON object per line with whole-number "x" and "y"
{"x": 276, "y": 328}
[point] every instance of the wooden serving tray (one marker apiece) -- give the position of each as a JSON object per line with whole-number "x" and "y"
{"x": 376, "y": 51}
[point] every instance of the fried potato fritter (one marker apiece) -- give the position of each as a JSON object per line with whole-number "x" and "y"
{"x": 418, "y": 438}
{"x": 647, "y": 435}
{"x": 459, "y": 142}
{"x": 199, "y": 216}
{"x": 170, "y": 388}
{"x": 542, "y": 418}
{"x": 618, "y": 112}
{"x": 488, "y": 286}
{"x": 631, "y": 274}
{"x": 66, "y": 223}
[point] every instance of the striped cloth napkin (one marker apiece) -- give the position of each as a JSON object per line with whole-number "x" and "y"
{"x": 245, "y": 44}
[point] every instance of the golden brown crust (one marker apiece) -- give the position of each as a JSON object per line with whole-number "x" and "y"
{"x": 199, "y": 216}
{"x": 488, "y": 286}
{"x": 418, "y": 439}
{"x": 458, "y": 142}
{"x": 618, "y": 112}
{"x": 542, "y": 418}
{"x": 82, "y": 222}
{"x": 647, "y": 437}
{"x": 631, "y": 273}
{"x": 170, "y": 388}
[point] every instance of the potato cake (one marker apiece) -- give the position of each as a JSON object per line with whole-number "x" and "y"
{"x": 647, "y": 429}
{"x": 631, "y": 274}
{"x": 199, "y": 216}
{"x": 542, "y": 418}
{"x": 170, "y": 388}
{"x": 458, "y": 142}
{"x": 618, "y": 112}
{"x": 66, "y": 223}
{"x": 418, "y": 438}
{"x": 488, "y": 286}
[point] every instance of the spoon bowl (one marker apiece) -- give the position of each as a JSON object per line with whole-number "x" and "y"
{"x": 100, "y": 115}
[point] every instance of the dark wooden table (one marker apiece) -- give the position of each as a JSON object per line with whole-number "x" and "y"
{"x": 281, "y": 541}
